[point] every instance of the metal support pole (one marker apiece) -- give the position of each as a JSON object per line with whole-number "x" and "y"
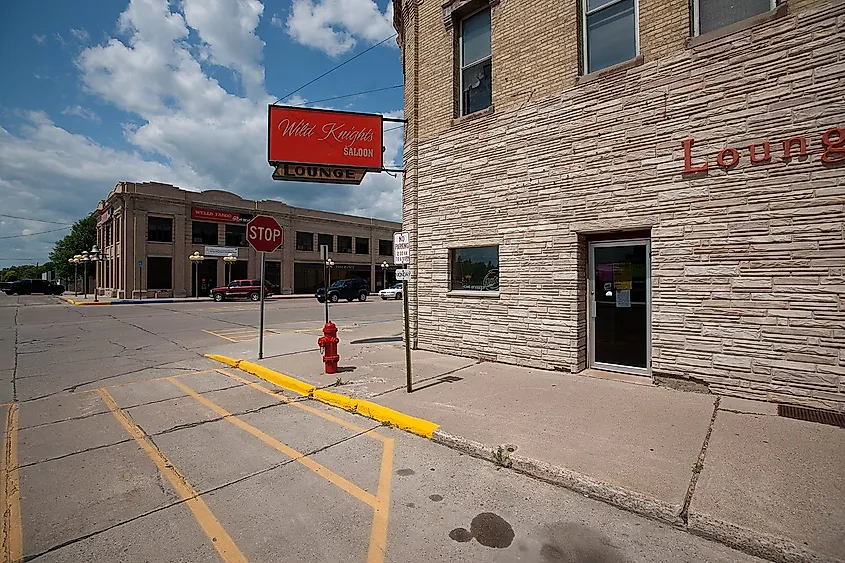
{"x": 75, "y": 279}
{"x": 407, "y": 335}
{"x": 85, "y": 282}
{"x": 196, "y": 280}
{"x": 261, "y": 317}
{"x": 326, "y": 294}
{"x": 96, "y": 264}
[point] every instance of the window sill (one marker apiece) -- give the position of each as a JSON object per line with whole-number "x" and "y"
{"x": 474, "y": 115}
{"x": 635, "y": 62}
{"x": 472, "y": 293}
{"x": 160, "y": 242}
{"x": 716, "y": 34}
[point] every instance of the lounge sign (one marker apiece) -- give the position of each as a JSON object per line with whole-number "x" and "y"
{"x": 324, "y": 138}
{"x": 317, "y": 173}
{"x": 832, "y": 144}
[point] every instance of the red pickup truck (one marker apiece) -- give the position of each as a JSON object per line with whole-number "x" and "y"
{"x": 241, "y": 289}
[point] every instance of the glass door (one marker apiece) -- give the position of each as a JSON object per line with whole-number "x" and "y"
{"x": 620, "y": 306}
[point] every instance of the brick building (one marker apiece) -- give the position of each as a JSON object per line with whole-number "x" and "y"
{"x": 645, "y": 186}
{"x": 157, "y": 226}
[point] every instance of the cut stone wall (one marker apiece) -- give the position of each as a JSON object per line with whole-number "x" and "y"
{"x": 748, "y": 263}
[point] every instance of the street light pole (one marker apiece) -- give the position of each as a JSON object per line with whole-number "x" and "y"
{"x": 195, "y": 259}
{"x": 228, "y": 260}
{"x": 85, "y": 260}
{"x": 329, "y": 264}
{"x": 95, "y": 256}
{"x": 75, "y": 262}
{"x": 384, "y": 267}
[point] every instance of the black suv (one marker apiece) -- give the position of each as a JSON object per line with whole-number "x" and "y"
{"x": 25, "y": 287}
{"x": 351, "y": 289}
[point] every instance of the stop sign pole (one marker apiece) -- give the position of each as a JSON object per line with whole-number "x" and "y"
{"x": 264, "y": 234}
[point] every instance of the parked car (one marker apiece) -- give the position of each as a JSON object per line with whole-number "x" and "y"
{"x": 392, "y": 292}
{"x": 350, "y": 289}
{"x": 241, "y": 289}
{"x": 5, "y": 285}
{"x": 25, "y": 287}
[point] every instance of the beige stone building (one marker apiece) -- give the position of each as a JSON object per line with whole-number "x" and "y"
{"x": 653, "y": 187}
{"x": 146, "y": 232}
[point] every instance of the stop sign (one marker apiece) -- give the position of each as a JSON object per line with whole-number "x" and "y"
{"x": 264, "y": 233}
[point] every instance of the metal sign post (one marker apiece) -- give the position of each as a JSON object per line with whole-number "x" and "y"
{"x": 402, "y": 256}
{"x": 324, "y": 256}
{"x": 261, "y": 316}
{"x": 140, "y": 280}
{"x": 264, "y": 234}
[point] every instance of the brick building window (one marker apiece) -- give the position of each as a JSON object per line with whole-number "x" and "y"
{"x": 159, "y": 273}
{"x": 304, "y": 241}
{"x": 326, "y": 240}
{"x": 159, "y": 229}
{"x": 476, "y": 61}
{"x": 236, "y": 235}
{"x": 610, "y": 32}
{"x": 362, "y": 245}
{"x": 344, "y": 244}
{"x": 475, "y": 268}
{"x": 710, "y": 15}
{"x": 385, "y": 247}
{"x": 203, "y": 233}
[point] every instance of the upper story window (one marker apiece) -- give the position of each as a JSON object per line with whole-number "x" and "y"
{"x": 236, "y": 235}
{"x": 159, "y": 229}
{"x": 326, "y": 240}
{"x": 610, "y": 33}
{"x": 385, "y": 247}
{"x": 476, "y": 79}
{"x": 710, "y": 15}
{"x": 344, "y": 244}
{"x": 362, "y": 245}
{"x": 304, "y": 241}
{"x": 203, "y": 233}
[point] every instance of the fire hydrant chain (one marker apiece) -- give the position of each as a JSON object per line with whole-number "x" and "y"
{"x": 328, "y": 347}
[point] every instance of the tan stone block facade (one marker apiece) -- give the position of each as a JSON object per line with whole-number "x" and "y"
{"x": 747, "y": 261}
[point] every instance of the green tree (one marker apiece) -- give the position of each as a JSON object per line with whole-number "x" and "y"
{"x": 82, "y": 236}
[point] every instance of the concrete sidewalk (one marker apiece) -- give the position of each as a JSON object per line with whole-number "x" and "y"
{"x": 725, "y": 468}
{"x": 101, "y": 300}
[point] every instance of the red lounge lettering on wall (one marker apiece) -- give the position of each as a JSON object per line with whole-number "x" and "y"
{"x": 834, "y": 150}
{"x": 728, "y": 157}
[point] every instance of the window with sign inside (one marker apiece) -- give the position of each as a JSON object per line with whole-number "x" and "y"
{"x": 344, "y": 244}
{"x": 474, "y": 268}
{"x": 236, "y": 235}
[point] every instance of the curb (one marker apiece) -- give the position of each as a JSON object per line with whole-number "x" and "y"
{"x": 758, "y": 544}
{"x": 368, "y": 409}
{"x": 79, "y": 303}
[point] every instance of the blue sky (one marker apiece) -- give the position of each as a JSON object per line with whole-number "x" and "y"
{"x": 103, "y": 91}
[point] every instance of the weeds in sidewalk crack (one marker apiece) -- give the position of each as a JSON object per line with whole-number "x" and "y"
{"x": 501, "y": 457}
{"x": 698, "y": 466}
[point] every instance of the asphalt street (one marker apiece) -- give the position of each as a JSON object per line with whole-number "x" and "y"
{"x": 123, "y": 443}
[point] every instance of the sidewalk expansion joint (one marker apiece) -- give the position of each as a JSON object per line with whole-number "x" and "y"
{"x": 699, "y": 465}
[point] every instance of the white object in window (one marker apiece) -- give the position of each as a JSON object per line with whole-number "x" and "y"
{"x": 610, "y": 32}
{"x": 710, "y": 15}
{"x": 476, "y": 77}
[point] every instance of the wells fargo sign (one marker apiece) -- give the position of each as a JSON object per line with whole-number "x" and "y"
{"x": 320, "y": 137}
{"x": 317, "y": 173}
{"x": 832, "y": 144}
{"x": 217, "y": 215}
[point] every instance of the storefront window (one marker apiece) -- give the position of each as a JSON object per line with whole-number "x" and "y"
{"x": 475, "y": 269}
{"x": 159, "y": 273}
{"x": 204, "y": 233}
{"x": 385, "y": 247}
{"x": 344, "y": 244}
{"x": 236, "y": 235}
{"x": 159, "y": 229}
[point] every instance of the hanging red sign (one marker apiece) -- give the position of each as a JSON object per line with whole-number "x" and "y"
{"x": 323, "y": 137}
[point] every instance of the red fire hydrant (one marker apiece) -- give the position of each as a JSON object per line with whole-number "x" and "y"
{"x": 328, "y": 347}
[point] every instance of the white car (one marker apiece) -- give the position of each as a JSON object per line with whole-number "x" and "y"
{"x": 392, "y": 292}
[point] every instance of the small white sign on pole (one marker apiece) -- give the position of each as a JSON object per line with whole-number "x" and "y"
{"x": 403, "y": 275}
{"x": 401, "y": 248}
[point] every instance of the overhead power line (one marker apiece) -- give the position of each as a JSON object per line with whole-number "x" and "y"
{"x": 331, "y": 70}
{"x": 38, "y": 233}
{"x": 354, "y": 94}
{"x": 31, "y": 219}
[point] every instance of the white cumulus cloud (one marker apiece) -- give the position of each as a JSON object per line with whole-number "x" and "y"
{"x": 335, "y": 26}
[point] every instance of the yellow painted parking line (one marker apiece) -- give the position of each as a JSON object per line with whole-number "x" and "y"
{"x": 220, "y": 539}
{"x": 325, "y": 473}
{"x": 11, "y": 502}
{"x": 378, "y": 534}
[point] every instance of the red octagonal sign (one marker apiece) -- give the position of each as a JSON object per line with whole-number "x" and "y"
{"x": 264, "y": 233}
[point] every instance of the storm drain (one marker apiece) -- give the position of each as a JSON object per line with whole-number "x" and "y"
{"x": 812, "y": 415}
